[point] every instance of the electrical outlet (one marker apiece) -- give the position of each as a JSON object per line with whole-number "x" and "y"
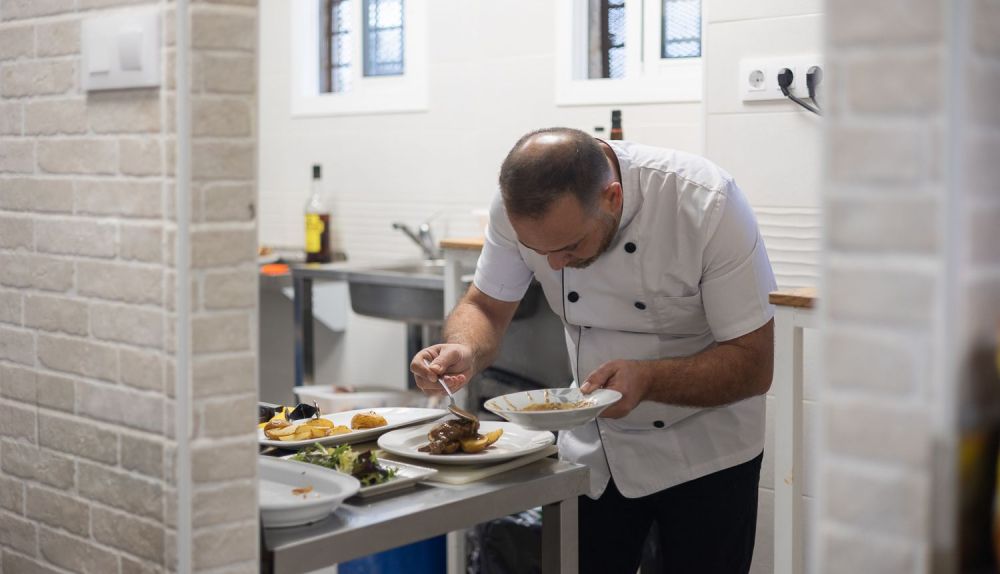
{"x": 759, "y": 77}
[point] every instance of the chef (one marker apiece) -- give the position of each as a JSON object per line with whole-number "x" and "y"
{"x": 654, "y": 262}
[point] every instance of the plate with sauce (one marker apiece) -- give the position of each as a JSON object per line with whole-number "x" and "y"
{"x": 552, "y": 409}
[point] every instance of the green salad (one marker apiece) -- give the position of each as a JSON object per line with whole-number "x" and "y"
{"x": 363, "y": 466}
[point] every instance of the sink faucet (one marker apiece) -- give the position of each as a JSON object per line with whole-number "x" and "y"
{"x": 423, "y": 238}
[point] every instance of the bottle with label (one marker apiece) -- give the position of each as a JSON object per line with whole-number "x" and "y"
{"x": 318, "y": 248}
{"x": 616, "y": 125}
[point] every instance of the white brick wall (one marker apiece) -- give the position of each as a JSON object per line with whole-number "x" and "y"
{"x": 87, "y": 288}
{"x": 911, "y": 208}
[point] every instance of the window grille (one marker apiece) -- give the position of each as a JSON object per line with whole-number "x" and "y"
{"x": 335, "y": 48}
{"x": 681, "y": 29}
{"x": 607, "y": 39}
{"x": 383, "y": 24}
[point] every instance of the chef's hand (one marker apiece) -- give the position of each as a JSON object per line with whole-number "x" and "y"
{"x": 630, "y": 378}
{"x": 450, "y": 361}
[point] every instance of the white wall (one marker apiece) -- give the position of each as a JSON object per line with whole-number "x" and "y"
{"x": 491, "y": 68}
{"x": 773, "y": 149}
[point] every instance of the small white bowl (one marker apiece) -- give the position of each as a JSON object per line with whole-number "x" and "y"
{"x": 511, "y": 407}
{"x": 280, "y": 506}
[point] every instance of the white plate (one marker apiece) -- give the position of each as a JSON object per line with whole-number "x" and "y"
{"x": 395, "y": 417}
{"x": 406, "y": 475}
{"x": 516, "y": 441}
{"x": 508, "y": 407}
{"x": 280, "y": 507}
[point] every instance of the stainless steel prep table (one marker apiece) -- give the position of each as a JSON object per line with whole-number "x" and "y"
{"x": 364, "y": 526}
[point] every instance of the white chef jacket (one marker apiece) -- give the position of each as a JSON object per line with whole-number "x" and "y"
{"x": 686, "y": 268}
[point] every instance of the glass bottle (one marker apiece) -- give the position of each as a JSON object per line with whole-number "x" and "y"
{"x": 318, "y": 249}
{"x": 616, "y": 125}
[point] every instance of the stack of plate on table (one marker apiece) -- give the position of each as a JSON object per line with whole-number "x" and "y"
{"x": 293, "y": 493}
{"x": 289, "y": 496}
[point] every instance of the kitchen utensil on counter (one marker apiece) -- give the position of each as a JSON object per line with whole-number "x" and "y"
{"x": 556, "y": 409}
{"x": 292, "y": 493}
{"x": 515, "y": 442}
{"x": 453, "y": 407}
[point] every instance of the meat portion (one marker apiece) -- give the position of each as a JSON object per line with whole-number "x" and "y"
{"x": 445, "y": 437}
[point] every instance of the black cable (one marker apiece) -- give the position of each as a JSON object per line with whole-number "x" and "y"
{"x": 813, "y": 78}
{"x": 785, "y": 78}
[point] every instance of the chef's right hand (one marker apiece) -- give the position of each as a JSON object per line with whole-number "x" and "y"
{"x": 450, "y": 361}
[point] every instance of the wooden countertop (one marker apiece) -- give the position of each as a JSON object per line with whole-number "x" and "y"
{"x": 803, "y": 297}
{"x": 469, "y": 243}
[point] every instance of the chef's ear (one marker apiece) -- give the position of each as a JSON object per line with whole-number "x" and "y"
{"x": 612, "y": 196}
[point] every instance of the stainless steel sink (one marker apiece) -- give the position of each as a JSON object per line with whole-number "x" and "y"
{"x": 410, "y": 292}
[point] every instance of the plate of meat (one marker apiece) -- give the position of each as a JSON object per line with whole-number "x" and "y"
{"x": 457, "y": 441}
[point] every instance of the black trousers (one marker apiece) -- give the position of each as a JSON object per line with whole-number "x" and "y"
{"x": 707, "y": 525}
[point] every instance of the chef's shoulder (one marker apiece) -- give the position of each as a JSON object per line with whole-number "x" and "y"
{"x": 499, "y": 222}
{"x": 689, "y": 169}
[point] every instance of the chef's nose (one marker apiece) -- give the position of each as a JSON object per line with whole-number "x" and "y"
{"x": 559, "y": 260}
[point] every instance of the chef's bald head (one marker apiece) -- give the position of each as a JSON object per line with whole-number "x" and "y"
{"x": 546, "y": 164}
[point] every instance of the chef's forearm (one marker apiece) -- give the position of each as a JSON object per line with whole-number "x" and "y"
{"x": 479, "y": 322}
{"x": 723, "y": 374}
{"x": 469, "y": 325}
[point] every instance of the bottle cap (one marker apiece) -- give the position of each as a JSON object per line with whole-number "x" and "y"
{"x": 317, "y": 170}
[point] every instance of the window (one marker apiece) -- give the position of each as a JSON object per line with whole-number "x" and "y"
{"x": 335, "y": 54}
{"x": 607, "y": 39}
{"x": 681, "y": 29}
{"x": 358, "y": 56}
{"x": 628, "y": 51}
{"x": 383, "y": 37}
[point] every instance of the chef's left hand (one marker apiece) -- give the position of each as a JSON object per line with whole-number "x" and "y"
{"x": 630, "y": 378}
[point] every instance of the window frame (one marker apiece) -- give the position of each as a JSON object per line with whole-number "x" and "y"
{"x": 368, "y": 94}
{"x": 647, "y": 79}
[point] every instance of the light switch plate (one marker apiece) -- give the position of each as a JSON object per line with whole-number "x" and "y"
{"x": 121, "y": 50}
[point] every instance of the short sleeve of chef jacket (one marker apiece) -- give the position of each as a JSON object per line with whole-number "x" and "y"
{"x": 501, "y": 273}
{"x": 736, "y": 276}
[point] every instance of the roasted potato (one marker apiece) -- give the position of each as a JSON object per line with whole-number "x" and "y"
{"x": 322, "y": 423}
{"x": 304, "y": 433}
{"x": 474, "y": 445}
{"x": 280, "y": 432}
{"x": 492, "y": 437}
{"x": 339, "y": 429}
{"x": 368, "y": 420}
{"x": 276, "y": 424}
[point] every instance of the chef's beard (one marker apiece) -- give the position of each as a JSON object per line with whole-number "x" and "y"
{"x": 609, "y": 225}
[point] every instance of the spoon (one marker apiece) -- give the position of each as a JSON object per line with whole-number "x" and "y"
{"x": 453, "y": 407}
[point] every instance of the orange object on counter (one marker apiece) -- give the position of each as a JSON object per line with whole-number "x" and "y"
{"x": 274, "y": 269}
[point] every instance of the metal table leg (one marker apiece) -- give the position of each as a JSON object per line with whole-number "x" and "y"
{"x": 560, "y": 553}
{"x": 304, "y": 344}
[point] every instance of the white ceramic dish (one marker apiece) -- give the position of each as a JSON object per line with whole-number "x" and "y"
{"x": 516, "y": 441}
{"x": 396, "y": 417}
{"x": 406, "y": 475}
{"x": 280, "y": 506}
{"x": 509, "y": 407}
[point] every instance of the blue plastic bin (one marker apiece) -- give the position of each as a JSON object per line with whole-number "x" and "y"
{"x": 424, "y": 557}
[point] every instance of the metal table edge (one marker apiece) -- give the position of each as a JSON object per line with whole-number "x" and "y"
{"x": 311, "y": 553}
